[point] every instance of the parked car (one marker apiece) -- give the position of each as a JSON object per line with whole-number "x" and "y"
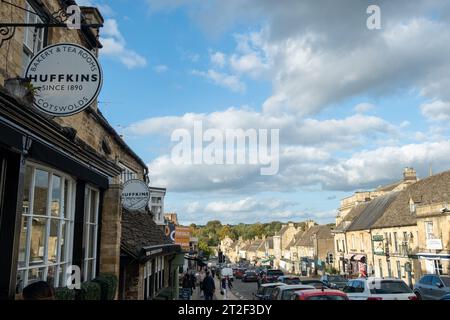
{"x": 284, "y": 292}
{"x": 250, "y": 276}
{"x": 239, "y": 273}
{"x": 265, "y": 290}
{"x": 289, "y": 279}
{"x": 315, "y": 283}
{"x": 271, "y": 276}
{"x": 446, "y": 297}
{"x": 334, "y": 281}
{"x": 316, "y": 294}
{"x": 432, "y": 287}
{"x": 378, "y": 289}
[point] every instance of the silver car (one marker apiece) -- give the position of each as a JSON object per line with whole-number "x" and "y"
{"x": 432, "y": 287}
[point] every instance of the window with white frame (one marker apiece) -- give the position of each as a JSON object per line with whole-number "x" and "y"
{"x": 91, "y": 206}
{"x": 46, "y": 234}
{"x": 33, "y": 38}
{"x": 429, "y": 230}
{"x": 127, "y": 173}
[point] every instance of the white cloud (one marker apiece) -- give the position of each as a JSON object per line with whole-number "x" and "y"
{"x": 364, "y": 107}
{"x": 161, "y": 68}
{"x": 222, "y": 79}
{"x": 218, "y": 59}
{"x": 114, "y": 46}
{"x": 437, "y": 110}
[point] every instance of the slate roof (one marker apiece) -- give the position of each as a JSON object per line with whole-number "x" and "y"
{"x": 434, "y": 189}
{"x": 372, "y": 211}
{"x": 139, "y": 230}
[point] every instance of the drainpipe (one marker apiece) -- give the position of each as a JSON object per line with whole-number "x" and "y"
{"x": 373, "y": 253}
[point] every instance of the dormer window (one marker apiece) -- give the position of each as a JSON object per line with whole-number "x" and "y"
{"x": 412, "y": 206}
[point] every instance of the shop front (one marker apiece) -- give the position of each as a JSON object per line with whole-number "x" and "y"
{"x": 52, "y": 190}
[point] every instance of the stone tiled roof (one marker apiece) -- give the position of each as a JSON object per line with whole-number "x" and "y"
{"x": 282, "y": 230}
{"x": 139, "y": 231}
{"x": 434, "y": 189}
{"x": 245, "y": 247}
{"x": 389, "y": 187}
{"x": 270, "y": 241}
{"x": 254, "y": 245}
{"x": 348, "y": 219}
{"x": 321, "y": 232}
{"x": 372, "y": 211}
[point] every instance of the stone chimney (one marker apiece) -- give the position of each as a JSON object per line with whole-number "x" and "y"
{"x": 409, "y": 174}
{"x": 309, "y": 224}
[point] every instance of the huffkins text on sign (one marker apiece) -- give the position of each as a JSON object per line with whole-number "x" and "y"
{"x": 68, "y": 78}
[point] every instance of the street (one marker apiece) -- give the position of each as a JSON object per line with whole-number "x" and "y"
{"x": 244, "y": 290}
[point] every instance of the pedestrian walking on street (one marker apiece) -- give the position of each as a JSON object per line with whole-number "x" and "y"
{"x": 226, "y": 286}
{"x": 202, "y": 276}
{"x": 208, "y": 286}
{"x": 193, "y": 280}
{"x": 187, "y": 284}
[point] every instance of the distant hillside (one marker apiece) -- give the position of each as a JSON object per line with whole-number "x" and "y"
{"x": 211, "y": 233}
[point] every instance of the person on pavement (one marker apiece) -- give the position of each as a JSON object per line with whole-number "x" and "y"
{"x": 187, "y": 284}
{"x": 226, "y": 286}
{"x": 208, "y": 286}
{"x": 193, "y": 280}
{"x": 200, "y": 280}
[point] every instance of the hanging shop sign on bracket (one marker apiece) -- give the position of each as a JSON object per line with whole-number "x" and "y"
{"x": 68, "y": 79}
{"x": 69, "y": 18}
{"x": 135, "y": 195}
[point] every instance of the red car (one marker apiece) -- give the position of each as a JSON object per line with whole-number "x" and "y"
{"x": 239, "y": 273}
{"x": 316, "y": 294}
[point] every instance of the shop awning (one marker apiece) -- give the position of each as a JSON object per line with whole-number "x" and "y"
{"x": 349, "y": 256}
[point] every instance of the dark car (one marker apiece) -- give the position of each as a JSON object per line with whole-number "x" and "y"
{"x": 315, "y": 283}
{"x": 334, "y": 282}
{"x": 265, "y": 290}
{"x": 272, "y": 276}
{"x": 446, "y": 297}
{"x": 432, "y": 287}
{"x": 250, "y": 276}
{"x": 289, "y": 280}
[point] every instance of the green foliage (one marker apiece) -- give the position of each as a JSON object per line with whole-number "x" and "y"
{"x": 214, "y": 231}
{"x": 108, "y": 285}
{"x": 90, "y": 291}
{"x": 205, "y": 247}
{"x": 65, "y": 294}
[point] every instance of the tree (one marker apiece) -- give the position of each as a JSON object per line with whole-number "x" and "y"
{"x": 226, "y": 231}
{"x": 203, "y": 246}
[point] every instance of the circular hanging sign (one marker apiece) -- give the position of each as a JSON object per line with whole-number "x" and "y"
{"x": 68, "y": 79}
{"x": 135, "y": 195}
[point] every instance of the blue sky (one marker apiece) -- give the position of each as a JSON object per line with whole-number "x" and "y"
{"x": 353, "y": 106}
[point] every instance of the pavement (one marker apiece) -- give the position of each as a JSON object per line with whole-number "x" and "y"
{"x": 217, "y": 296}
